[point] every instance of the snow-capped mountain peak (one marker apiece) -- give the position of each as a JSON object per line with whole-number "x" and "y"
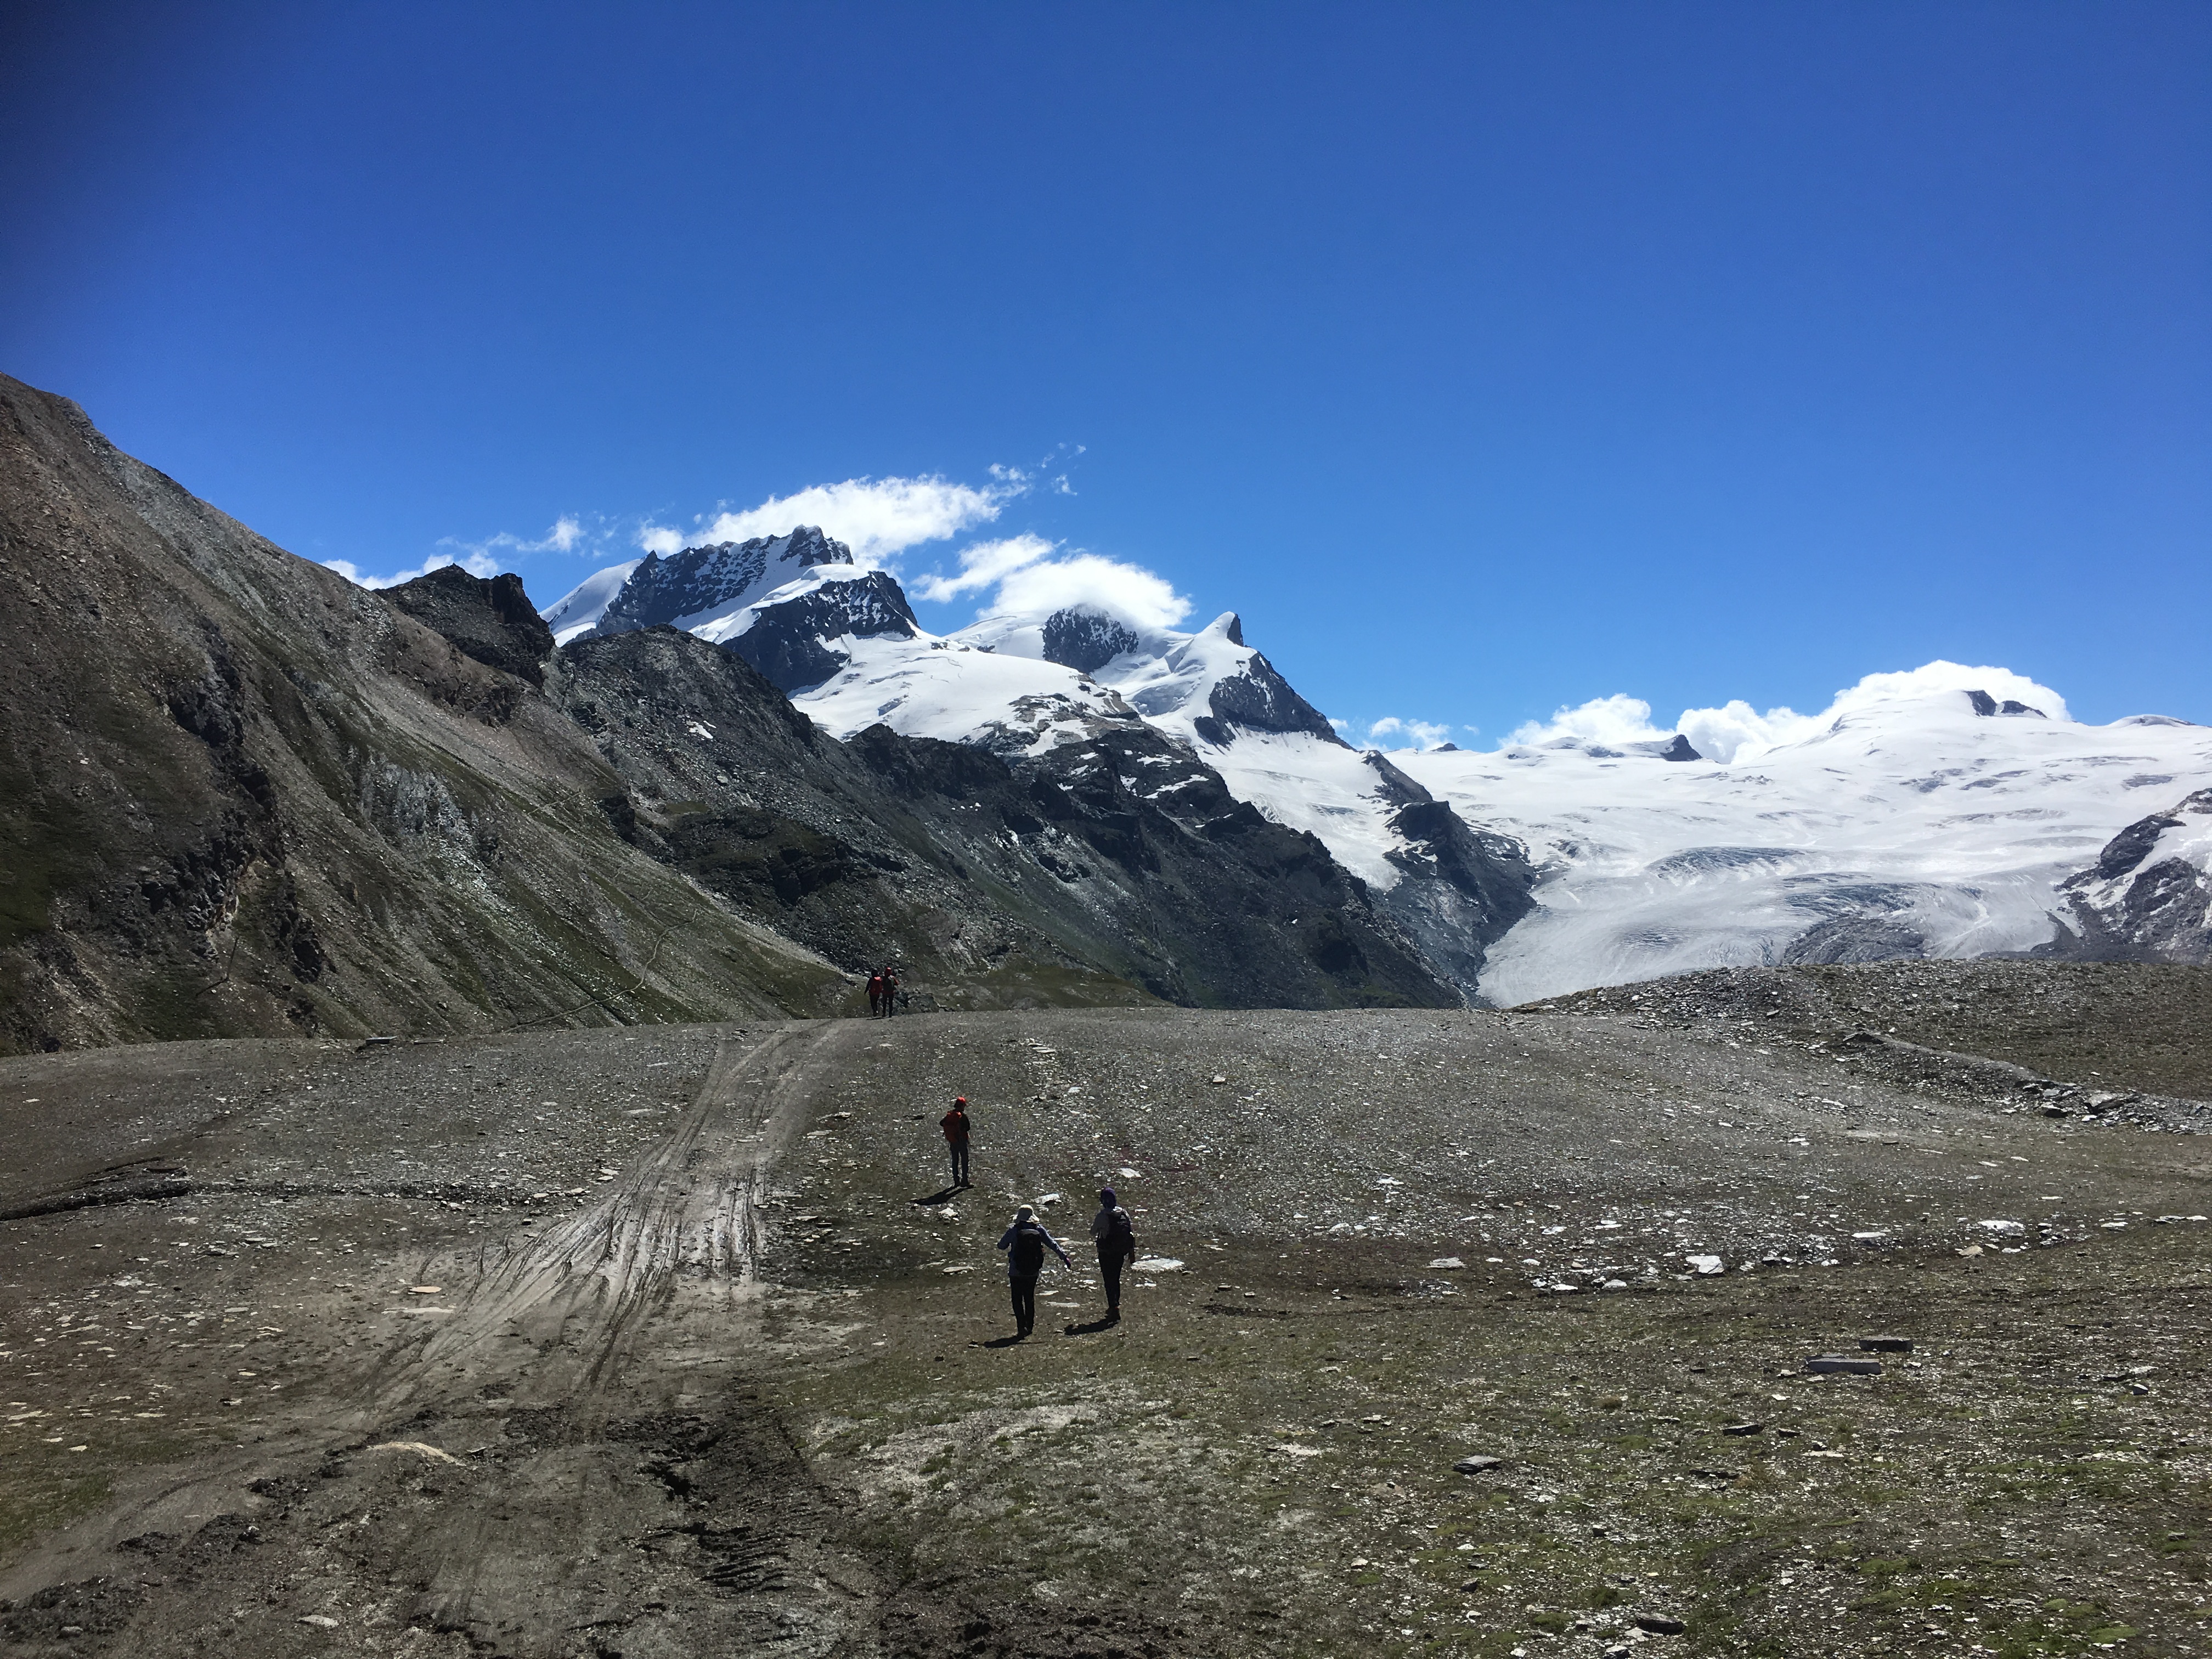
{"x": 703, "y": 587}
{"x": 577, "y": 612}
{"x": 777, "y": 601}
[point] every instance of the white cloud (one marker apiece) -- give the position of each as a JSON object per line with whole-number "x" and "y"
{"x": 1128, "y": 591}
{"x": 1423, "y": 734}
{"x": 1616, "y": 720}
{"x": 659, "y": 539}
{"x": 984, "y": 564}
{"x": 877, "y": 518}
{"x": 478, "y": 558}
{"x": 477, "y": 564}
{"x": 1735, "y": 731}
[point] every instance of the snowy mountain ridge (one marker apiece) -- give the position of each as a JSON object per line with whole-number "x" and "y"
{"x": 1943, "y": 811}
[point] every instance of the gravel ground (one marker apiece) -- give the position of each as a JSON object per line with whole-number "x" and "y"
{"x": 714, "y": 1363}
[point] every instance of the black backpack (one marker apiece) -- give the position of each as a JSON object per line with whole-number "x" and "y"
{"x": 1028, "y": 1252}
{"x": 1123, "y": 1237}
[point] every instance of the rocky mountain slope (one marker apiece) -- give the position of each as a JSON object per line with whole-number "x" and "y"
{"x": 239, "y": 794}
{"x": 2148, "y": 896}
{"x": 1075, "y": 877}
{"x": 1039, "y": 689}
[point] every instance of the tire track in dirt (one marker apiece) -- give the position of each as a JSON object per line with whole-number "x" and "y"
{"x": 570, "y": 1305}
{"x": 643, "y": 1498}
{"x": 570, "y": 1464}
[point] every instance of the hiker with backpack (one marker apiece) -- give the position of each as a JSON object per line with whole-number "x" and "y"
{"x": 955, "y": 1125}
{"x": 1025, "y": 1243}
{"x": 876, "y": 993}
{"x": 1115, "y": 1236}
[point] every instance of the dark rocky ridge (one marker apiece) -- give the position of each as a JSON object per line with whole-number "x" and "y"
{"x": 789, "y": 643}
{"x": 1460, "y": 891}
{"x": 1085, "y": 639}
{"x": 1259, "y": 700}
{"x": 989, "y": 881}
{"x": 2128, "y": 909}
{"x": 1986, "y": 705}
{"x": 490, "y": 620}
{"x": 1463, "y": 888}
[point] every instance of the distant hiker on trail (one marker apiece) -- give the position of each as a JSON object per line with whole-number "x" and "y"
{"x": 890, "y": 991}
{"x": 955, "y": 1125}
{"x": 1115, "y": 1236}
{"x": 876, "y": 993}
{"x": 1025, "y": 1243}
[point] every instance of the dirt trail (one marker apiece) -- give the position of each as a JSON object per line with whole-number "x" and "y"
{"x": 555, "y": 1316}
{"x": 576, "y": 1397}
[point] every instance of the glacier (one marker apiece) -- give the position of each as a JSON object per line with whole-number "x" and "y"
{"x": 1939, "y": 812}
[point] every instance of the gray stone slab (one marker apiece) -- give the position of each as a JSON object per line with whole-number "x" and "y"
{"x": 1851, "y": 1365}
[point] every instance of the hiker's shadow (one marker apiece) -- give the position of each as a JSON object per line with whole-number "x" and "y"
{"x": 1003, "y": 1342}
{"x": 1091, "y": 1329}
{"x": 943, "y": 1195}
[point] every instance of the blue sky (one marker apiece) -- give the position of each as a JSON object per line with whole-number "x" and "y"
{"x": 1487, "y": 358}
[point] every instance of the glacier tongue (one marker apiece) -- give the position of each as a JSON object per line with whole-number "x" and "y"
{"x": 1911, "y": 825}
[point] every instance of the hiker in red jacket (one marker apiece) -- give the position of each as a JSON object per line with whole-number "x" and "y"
{"x": 955, "y": 1125}
{"x": 875, "y": 993}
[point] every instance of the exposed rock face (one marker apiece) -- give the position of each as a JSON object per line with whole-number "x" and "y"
{"x": 1259, "y": 700}
{"x": 1085, "y": 639}
{"x": 241, "y": 795}
{"x": 1101, "y": 867}
{"x": 1461, "y": 889}
{"x": 2148, "y": 896}
{"x": 1464, "y": 888}
{"x": 791, "y": 642}
{"x": 728, "y": 782}
{"x": 1985, "y": 704}
{"x": 490, "y": 618}
{"x": 1854, "y": 939}
{"x": 1242, "y": 911}
{"x": 701, "y": 580}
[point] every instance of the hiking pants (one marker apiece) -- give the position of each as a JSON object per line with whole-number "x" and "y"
{"x": 958, "y": 1150}
{"x": 1025, "y": 1291}
{"x": 1109, "y": 1269}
